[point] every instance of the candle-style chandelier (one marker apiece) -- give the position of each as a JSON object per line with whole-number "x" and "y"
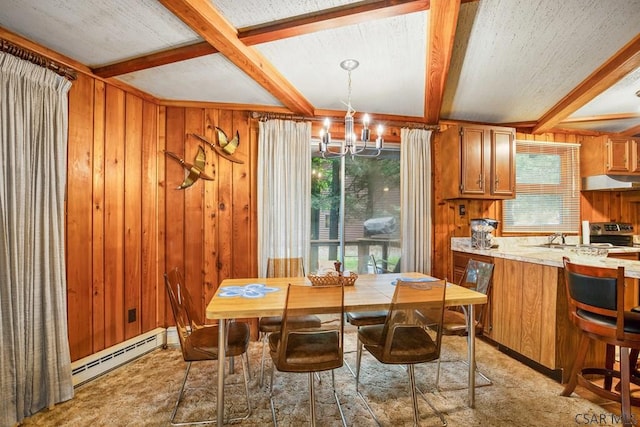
{"x": 350, "y": 145}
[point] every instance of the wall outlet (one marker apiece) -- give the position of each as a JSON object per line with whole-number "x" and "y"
{"x": 462, "y": 210}
{"x": 132, "y": 315}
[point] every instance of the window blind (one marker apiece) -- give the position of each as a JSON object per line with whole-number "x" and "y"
{"x": 547, "y": 189}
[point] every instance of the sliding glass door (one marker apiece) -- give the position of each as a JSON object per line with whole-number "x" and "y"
{"x": 371, "y": 212}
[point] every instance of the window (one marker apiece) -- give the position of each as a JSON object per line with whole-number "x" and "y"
{"x": 547, "y": 189}
{"x": 372, "y": 211}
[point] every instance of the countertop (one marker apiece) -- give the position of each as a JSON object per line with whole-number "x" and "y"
{"x": 526, "y": 249}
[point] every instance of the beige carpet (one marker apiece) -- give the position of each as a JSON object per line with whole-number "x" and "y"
{"x": 143, "y": 393}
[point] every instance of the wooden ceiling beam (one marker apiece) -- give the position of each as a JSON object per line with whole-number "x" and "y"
{"x": 613, "y": 70}
{"x": 350, "y": 14}
{"x": 204, "y": 19}
{"x": 443, "y": 20}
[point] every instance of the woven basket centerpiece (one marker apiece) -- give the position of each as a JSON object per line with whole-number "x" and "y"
{"x": 332, "y": 278}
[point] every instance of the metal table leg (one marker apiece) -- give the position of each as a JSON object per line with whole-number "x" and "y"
{"x": 471, "y": 356}
{"x": 221, "y": 356}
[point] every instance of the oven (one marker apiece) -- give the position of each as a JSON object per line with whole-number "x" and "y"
{"x": 614, "y": 233}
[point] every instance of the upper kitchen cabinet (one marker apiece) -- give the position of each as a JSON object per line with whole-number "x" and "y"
{"x": 610, "y": 156}
{"x": 478, "y": 162}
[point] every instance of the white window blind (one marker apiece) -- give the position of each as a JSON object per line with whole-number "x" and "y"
{"x": 547, "y": 189}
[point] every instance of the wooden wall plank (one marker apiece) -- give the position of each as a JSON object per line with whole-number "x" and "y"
{"x": 97, "y": 237}
{"x": 165, "y": 317}
{"x": 114, "y": 215}
{"x": 210, "y": 263}
{"x": 79, "y": 209}
{"x": 225, "y": 203}
{"x": 240, "y": 207}
{"x": 174, "y": 215}
{"x": 150, "y": 279}
{"x": 194, "y": 211}
{"x": 132, "y": 215}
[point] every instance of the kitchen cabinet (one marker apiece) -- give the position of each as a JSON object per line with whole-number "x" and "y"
{"x": 611, "y": 156}
{"x": 529, "y": 316}
{"x": 477, "y": 162}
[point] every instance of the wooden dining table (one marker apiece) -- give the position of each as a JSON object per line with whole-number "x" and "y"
{"x": 370, "y": 292}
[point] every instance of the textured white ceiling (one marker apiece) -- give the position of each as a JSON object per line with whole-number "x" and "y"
{"x": 513, "y": 60}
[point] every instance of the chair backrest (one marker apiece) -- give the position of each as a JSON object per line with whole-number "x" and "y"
{"x": 285, "y": 267}
{"x": 328, "y": 303}
{"x": 186, "y": 318}
{"x": 413, "y": 329}
{"x": 596, "y": 298}
{"x": 478, "y": 276}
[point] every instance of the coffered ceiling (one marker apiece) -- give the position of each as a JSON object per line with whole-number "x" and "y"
{"x": 535, "y": 64}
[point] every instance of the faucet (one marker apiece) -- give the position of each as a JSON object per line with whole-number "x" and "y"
{"x": 555, "y": 235}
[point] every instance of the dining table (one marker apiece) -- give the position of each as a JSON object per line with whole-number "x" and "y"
{"x": 259, "y": 297}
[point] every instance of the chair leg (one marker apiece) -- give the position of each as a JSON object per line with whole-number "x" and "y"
{"x": 414, "y": 400}
{"x": 625, "y": 392}
{"x": 264, "y": 349}
{"x": 312, "y": 401}
{"x": 358, "y": 359}
{"x": 581, "y": 354}
{"x": 175, "y": 408}
{"x": 610, "y": 358}
{"x": 273, "y": 406}
{"x": 245, "y": 373}
{"x": 335, "y": 394}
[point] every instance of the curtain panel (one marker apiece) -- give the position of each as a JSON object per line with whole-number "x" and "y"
{"x": 35, "y": 366}
{"x": 415, "y": 199}
{"x": 284, "y": 191}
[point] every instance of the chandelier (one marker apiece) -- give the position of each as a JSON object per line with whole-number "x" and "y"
{"x": 350, "y": 145}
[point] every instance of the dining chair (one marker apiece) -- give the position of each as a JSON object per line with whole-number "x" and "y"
{"x": 199, "y": 341}
{"x": 411, "y": 334}
{"x": 596, "y": 307}
{"x": 281, "y": 267}
{"x": 372, "y": 317}
{"x": 309, "y": 349}
{"x": 478, "y": 277}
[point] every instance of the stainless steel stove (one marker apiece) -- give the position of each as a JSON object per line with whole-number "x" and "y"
{"x": 614, "y": 233}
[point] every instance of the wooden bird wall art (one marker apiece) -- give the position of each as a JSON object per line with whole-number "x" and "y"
{"x": 195, "y": 170}
{"x": 224, "y": 147}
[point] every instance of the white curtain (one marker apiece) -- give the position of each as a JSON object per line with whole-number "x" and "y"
{"x": 35, "y": 366}
{"x": 284, "y": 191}
{"x": 415, "y": 199}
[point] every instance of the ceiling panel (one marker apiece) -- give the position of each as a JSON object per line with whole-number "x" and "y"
{"x": 390, "y": 78}
{"x": 96, "y": 32}
{"x": 608, "y": 126}
{"x": 211, "y": 78}
{"x": 619, "y": 98}
{"x": 523, "y": 56}
{"x": 248, "y": 13}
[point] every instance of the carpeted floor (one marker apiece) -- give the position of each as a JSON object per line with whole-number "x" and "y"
{"x": 143, "y": 393}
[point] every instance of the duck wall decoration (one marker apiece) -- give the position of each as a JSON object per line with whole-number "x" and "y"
{"x": 224, "y": 147}
{"x": 195, "y": 170}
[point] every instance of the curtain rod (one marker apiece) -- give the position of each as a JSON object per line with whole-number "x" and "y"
{"x": 35, "y": 58}
{"x": 263, "y": 116}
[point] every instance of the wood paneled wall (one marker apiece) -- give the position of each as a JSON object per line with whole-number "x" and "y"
{"x": 594, "y": 205}
{"x": 127, "y": 223}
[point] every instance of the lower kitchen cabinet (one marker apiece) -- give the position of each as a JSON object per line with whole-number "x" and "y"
{"x": 529, "y": 316}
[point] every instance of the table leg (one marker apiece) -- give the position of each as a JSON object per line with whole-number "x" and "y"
{"x": 471, "y": 356}
{"x": 221, "y": 356}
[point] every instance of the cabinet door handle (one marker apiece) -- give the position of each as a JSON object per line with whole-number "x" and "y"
{"x": 497, "y": 181}
{"x": 479, "y": 182}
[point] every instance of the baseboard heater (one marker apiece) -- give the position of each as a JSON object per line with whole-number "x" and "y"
{"x": 92, "y": 366}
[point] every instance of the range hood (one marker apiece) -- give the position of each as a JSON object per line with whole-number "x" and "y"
{"x": 611, "y": 183}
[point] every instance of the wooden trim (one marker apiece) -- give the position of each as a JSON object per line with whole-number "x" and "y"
{"x": 202, "y": 17}
{"x": 443, "y": 20}
{"x": 618, "y": 66}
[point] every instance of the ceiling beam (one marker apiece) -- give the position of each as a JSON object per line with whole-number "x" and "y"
{"x": 205, "y": 20}
{"x": 443, "y": 20}
{"x": 350, "y": 14}
{"x": 613, "y": 70}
